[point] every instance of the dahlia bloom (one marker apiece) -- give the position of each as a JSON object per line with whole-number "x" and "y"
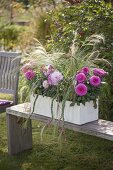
{"x": 80, "y": 77}
{"x": 95, "y": 81}
{"x": 85, "y": 70}
{"x": 99, "y": 72}
{"x": 81, "y": 89}
{"x": 30, "y": 74}
{"x": 45, "y": 84}
{"x": 47, "y": 70}
{"x": 54, "y": 78}
{"x": 26, "y": 67}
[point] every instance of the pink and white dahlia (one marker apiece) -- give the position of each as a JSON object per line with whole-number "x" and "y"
{"x": 26, "y": 67}
{"x": 54, "y": 78}
{"x": 45, "y": 84}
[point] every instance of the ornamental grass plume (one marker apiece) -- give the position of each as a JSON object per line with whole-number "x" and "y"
{"x": 33, "y": 63}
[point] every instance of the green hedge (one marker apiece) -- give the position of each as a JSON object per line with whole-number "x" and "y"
{"x": 90, "y": 17}
{"x": 9, "y": 35}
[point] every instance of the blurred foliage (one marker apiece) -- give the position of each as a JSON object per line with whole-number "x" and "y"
{"x": 90, "y": 17}
{"x": 42, "y": 26}
{"x": 9, "y": 35}
{"x": 36, "y": 3}
{"x": 55, "y": 26}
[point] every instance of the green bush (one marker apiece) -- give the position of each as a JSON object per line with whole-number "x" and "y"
{"x": 90, "y": 17}
{"x": 9, "y": 35}
{"x": 42, "y": 26}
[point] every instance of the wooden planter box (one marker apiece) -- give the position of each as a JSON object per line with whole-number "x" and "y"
{"x": 73, "y": 114}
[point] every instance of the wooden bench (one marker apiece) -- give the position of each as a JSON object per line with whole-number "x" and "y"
{"x": 20, "y": 138}
{"x": 9, "y": 76}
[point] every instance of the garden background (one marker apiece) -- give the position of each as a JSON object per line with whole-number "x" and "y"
{"x": 54, "y": 24}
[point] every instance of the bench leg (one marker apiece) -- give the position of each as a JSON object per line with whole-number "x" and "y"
{"x": 19, "y": 137}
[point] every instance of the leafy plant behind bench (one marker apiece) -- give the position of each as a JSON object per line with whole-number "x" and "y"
{"x": 9, "y": 35}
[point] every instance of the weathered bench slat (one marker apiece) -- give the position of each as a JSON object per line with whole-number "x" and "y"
{"x": 100, "y": 128}
{"x": 9, "y": 74}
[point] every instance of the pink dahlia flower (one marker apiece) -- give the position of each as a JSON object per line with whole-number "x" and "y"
{"x": 85, "y": 70}
{"x": 26, "y": 67}
{"x": 80, "y": 77}
{"x": 45, "y": 84}
{"x": 95, "y": 81}
{"x": 54, "y": 78}
{"x": 81, "y": 89}
{"x": 47, "y": 70}
{"x": 99, "y": 72}
{"x": 30, "y": 74}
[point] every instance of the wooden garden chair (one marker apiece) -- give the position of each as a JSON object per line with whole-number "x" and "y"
{"x": 9, "y": 76}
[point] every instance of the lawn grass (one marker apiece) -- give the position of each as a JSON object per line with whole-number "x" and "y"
{"x": 78, "y": 151}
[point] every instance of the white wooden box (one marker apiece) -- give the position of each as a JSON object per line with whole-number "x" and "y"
{"x": 74, "y": 114}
